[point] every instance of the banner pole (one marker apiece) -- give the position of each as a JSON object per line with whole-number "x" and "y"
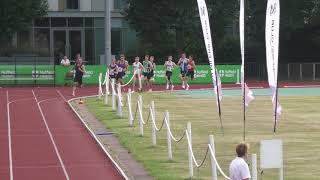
{"x": 276, "y": 108}
{"x": 242, "y": 73}
{"x": 219, "y": 106}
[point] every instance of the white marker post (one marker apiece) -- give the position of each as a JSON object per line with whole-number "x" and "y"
{"x": 189, "y": 150}
{"x": 100, "y": 88}
{"x": 141, "y": 117}
{"x": 119, "y": 107}
{"x": 213, "y": 163}
{"x": 113, "y": 96}
{"x": 107, "y": 88}
{"x": 129, "y": 107}
{"x": 254, "y": 167}
{"x": 153, "y": 115}
{"x": 167, "y": 121}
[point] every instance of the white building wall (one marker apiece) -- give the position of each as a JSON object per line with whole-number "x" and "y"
{"x": 85, "y": 5}
{"x": 53, "y": 5}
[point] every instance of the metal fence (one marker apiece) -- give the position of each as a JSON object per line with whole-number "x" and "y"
{"x": 287, "y": 72}
{"x": 26, "y": 60}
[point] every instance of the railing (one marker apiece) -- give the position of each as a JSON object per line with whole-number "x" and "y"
{"x": 287, "y": 72}
{"x": 186, "y": 134}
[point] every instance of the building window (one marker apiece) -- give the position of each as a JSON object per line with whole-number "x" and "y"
{"x": 58, "y": 22}
{"x": 72, "y": 4}
{"x": 116, "y": 41}
{"x": 42, "y": 41}
{"x": 43, "y": 22}
{"x": 75, "y": 22}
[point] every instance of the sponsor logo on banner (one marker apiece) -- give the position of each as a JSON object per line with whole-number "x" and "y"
{"x": 272, "y": 49}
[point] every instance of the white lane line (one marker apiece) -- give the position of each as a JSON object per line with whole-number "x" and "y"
{"x": 50, "y": 135}
{"x": 9, "y": 136}
{"x": 61, "y": 95}
{"x": 121, "y": 171}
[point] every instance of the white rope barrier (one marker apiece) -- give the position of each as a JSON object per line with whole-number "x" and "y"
{"x": 135, "y": 72}
{"x": 166, "y": 120}
{"x": 216, "y": 162}
{"x": 129, "y": 107}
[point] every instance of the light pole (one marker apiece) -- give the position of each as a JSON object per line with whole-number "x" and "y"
{"x": 107, "y": 29}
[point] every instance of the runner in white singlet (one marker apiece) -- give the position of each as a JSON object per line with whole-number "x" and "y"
{"x": 137, "y": 68}
{"x": 169, "y": 65}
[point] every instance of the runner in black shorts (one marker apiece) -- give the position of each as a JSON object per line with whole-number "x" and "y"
{"x": 191, "y": 67}
{"x": 153, "y": 68}
{"x": 147, "y": 66}
{"x": 183, "y": 63}
{"x": 79, "y": 72}
{"x": 169, "y": 65}
{"x": 122, "y": 68}
{"x": 113, "y": 69}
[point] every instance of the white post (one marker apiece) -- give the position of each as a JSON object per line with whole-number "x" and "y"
{"x": 281, "y": 173}
{"x": 139, "y": 79}
{"x": 141, "y": 118}
{"x": 140, "y": 100}
{"x": 100, "y": 89}
{"x": 153, "y": 115}
{"x": 113, "y": 96}
{"x": 106, "y": 96}
{"x": 107, "y": 82}
{"x": 189, "y": 151}
{"x": 238, "y": 76}
{"x": 129, "y": 107}
{"x": 167, "y": 119}
{"x": 119, "y": 109}
{"x": 119, "y": 93}
{"x": 254, "y": 167}
{"x": 213, "y": 163}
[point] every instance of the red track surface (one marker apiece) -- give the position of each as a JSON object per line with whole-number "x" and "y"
{"x": 34, "y": 156}
{"x": 71, "y": 153}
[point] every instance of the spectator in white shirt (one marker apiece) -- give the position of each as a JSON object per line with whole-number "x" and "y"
{"x": 65, "y": 61}
{"x": 239, "y": 169}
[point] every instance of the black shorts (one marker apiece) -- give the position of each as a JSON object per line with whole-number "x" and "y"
{"x": 151, "y": 73}
{"x": 78, "y": 79}
{"x": 120, "y": 75}
{"x": 168, "y": 73}
{"x": 147, "y": 75}
{"x": 113, "y": 76}
{"x": 191, "y": 74}
{"x": 183, "y": 73}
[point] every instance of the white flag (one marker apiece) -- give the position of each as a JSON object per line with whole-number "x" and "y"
{"x": 272, "y": 49}
{"x": 248, "y": 94}
{"x": 204, "y": 17}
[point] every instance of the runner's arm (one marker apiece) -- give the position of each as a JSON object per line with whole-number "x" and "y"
{"x": 83, "y": 69}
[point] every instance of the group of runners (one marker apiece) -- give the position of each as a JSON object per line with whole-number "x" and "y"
{"x": 144, "y": 72}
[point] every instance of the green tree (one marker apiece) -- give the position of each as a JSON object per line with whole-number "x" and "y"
{"x": 17, "y": 15}
{"x": 172, "y": 26}
{"x": 299, "y": 30}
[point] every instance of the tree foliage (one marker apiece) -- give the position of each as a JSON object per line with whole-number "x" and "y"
{"x": 17, "y": 15}
{"x": 170, "y": 26}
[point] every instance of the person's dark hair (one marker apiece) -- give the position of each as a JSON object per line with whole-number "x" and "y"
{"x": 242, "y": 149}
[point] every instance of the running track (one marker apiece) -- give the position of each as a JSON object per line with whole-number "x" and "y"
{"x": 48, "y": 141}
